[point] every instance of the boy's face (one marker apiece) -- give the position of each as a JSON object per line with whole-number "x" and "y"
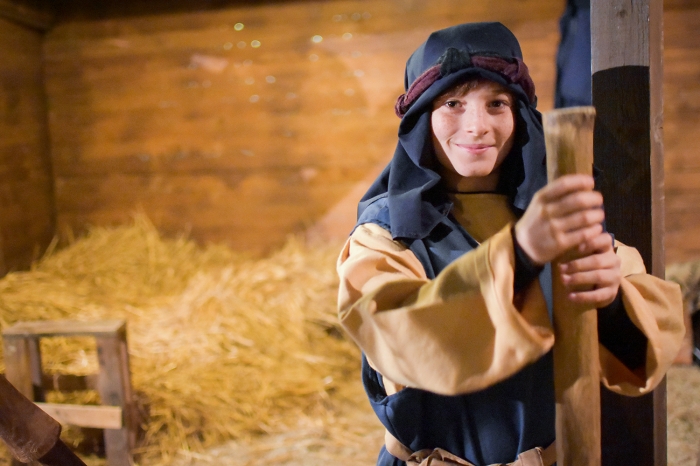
{"x": 473, "y": 132}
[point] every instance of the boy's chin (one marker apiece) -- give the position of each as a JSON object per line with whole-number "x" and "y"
{"x": 476, "y": 172}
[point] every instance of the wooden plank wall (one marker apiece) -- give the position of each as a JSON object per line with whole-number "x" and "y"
{"x": 173, "y": 110}
{"x": 681, "y": 126}
{"x": 241, "y": 134}
{"x": 26, "y": 186}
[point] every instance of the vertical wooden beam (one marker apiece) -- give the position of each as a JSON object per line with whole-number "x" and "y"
{"x": 18, "y": 364}
{"x": 114, "y": 386}
{"x": 627, "y": 49}
{"x": 27, "y": 207}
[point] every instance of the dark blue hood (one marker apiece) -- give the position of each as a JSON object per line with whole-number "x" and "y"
{"x": 415, "y": 198}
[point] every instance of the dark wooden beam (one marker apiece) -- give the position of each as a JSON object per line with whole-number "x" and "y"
{"x": 627, "y": 69}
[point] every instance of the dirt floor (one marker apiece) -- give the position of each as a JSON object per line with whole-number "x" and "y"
{"x": 360, "y": 435}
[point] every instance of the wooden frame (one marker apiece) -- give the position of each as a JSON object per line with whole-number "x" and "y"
{"x": 113, "y": 381}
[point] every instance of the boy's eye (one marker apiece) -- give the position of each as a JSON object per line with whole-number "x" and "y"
{"x": 452, "y": 103}
{"x": 499, "y": 103}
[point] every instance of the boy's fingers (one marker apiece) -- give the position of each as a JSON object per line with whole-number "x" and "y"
{"x": 574, "y": 202}
{"x": 575, "y": 236}
{"x": 598, "y": 297}
{"x": 567, "y": 184}
{"x": 580, "y": 219}
{"x": 598, "y": 245}
{"x": 599, "y": 278}
{"x": 604, "y": 260}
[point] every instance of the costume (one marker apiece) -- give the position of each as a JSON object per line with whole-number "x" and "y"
{"x": 456, "y": 354}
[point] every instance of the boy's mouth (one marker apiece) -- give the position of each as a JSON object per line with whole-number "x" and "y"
{"x": 475, "y": 148}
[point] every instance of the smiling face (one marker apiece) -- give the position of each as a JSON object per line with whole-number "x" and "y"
{"x": 473, "y": 128}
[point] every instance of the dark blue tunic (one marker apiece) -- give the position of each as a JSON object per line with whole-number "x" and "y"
{"x": 489, "y": 426}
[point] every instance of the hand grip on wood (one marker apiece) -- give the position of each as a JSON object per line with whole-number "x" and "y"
{"x": 569, "y": 141}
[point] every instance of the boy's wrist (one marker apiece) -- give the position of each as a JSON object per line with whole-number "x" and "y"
{"x": 522, "y": 246}
{"x": 526, "y": 270}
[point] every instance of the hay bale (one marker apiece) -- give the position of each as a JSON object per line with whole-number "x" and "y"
{"x": 222, "y": 346}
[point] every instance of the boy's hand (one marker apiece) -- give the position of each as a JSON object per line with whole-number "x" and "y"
{"x": 593, "y": 279}
{"x": 568, "y": 214}
{"x": 564, "y": 214}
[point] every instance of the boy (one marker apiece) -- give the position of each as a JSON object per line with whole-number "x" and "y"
{"x": 445, "y": 280}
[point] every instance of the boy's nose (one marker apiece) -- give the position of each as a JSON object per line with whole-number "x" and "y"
{"x": 473, "y": 120}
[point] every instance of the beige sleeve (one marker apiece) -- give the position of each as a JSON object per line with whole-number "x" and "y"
{"x": 655, "y": 306}
{"x": 458, "y": 333}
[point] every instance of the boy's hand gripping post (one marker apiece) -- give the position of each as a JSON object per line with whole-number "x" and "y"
{"x": 569, "y": 143}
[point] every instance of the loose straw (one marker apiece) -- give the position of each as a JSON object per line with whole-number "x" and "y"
{"x": 223, "y": 347}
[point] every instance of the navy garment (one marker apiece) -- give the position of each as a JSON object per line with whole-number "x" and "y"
{"x": 495, "y": 424}
{"x": 415, "y": 198}
{"x": 489, "y": 426}
{"x": 573, "y": 84}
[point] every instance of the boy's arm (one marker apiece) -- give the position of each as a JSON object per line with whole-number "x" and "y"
{"x": 461, "y": 332}
{"x": 655, "y": 307}
{"x": 457, "y": 333}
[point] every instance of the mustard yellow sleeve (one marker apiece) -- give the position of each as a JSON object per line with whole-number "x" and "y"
{"x": 458, "y": 333}
{"x": 655, "y": 306}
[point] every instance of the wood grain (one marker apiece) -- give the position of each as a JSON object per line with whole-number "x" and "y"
{"x": 160, "y": 89}
{"x": 26, "y": 185}
{"x": 629, "y": 152}
{"x": 172, "y": 110}
{"x": 99, "y": 417}
{"x": 569, "y": 139}
{"x": 681, "y": 94}
{"x": 63, "y": 328}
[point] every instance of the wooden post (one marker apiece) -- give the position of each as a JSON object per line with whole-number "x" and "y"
{"x": 114, "y": 386}
{"x": 569, "y": 139}
{"x": 626, "y": 46}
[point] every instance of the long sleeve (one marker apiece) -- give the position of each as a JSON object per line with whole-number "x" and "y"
{"x": 655, "y": 307}
{"x": 455, "y": 334}
{"x": 465, "y": 330}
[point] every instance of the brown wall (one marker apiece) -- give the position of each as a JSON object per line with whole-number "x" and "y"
{"x": 153, "y": 107}
{"x": 26, "y": 187}
{"x": 179, "y": 115}
{"x": 681, "y": 128}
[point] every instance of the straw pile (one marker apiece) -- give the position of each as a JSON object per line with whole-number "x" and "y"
{"x": 234, "y": 360}
{"x": 683, "y": 416}
{"x": 222, "y": 346}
